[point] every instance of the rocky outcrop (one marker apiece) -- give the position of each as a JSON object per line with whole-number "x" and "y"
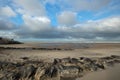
{"x": 8, "y": 41}
{"x": 60, "y": 68}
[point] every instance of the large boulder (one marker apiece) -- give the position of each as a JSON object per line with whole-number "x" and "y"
{"x": 39, "y": 73}
{"x": 27, "y": 72}
{"x": 70, "y": 71}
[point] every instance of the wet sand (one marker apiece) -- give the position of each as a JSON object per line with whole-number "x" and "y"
{"x": 87, "y": 50}
{"x": 113, "y": 73}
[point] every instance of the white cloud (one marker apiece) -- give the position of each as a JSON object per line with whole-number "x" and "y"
{"x": 33, "y": 14}
{"x": 8, "y": 34}
{"x": 78, "y": 5}
{"x": 30, "y": 7}
{"x": 6, "y": 25}
{"x": 88, "y": 4}
{"x": 7, "y": 12}
{"x": 100, "y": 29}
{"x": 67, "y": 18}
{"x": 111, "y": 24}
{"x": 50, "y": 1}
{"x": 36, "y": 23}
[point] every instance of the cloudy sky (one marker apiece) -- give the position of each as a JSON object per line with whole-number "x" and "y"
{"x": 61, "y": 20}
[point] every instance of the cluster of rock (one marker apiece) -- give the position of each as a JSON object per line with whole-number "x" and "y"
{"x": 8, "y": 41}
{"x": 30, "y": 48}
{"x": 59, "y": 68}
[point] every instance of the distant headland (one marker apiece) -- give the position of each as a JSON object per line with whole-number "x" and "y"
{"x": 8, "y": 41}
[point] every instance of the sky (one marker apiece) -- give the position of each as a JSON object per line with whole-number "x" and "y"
{"x": 61, "y": 20}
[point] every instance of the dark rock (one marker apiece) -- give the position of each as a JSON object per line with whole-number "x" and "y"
{"x": 70, "y": 71}
{"x": 10, "y": 76}
{"x": 115, "y": 56}
{"x": 25, "y": 58}
{"x": 66, "y": 60}
{"x": 52, "y": 71}
{"x": 74, "y": 60}
{"x": 39, "y": 73}
{"x": 117, "y": 61}
{"x": 56, "y": 61}
{"x": 27, "y": 71}
{"x": 101, "y": 66}
{"x": 66, "y": 67}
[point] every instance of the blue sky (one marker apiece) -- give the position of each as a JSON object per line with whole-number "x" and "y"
{"x": 69, "y": 20}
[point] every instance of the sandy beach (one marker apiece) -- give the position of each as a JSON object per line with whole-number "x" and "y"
{"x": 110, "y": 74}
{"x": 65, "y": 50}
{"x": 87, "y": 50}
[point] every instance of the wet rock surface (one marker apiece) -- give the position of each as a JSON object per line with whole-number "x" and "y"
{"x": 57, "y": 70}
